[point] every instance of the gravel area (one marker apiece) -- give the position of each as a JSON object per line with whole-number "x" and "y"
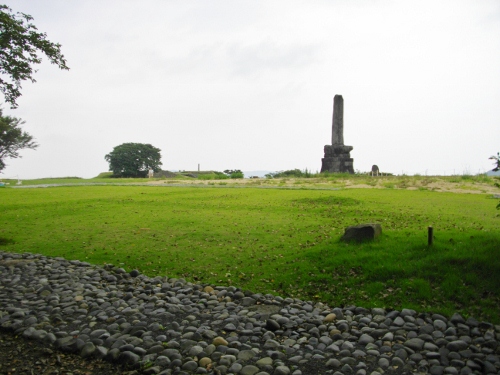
{"x": 166, "y": 325}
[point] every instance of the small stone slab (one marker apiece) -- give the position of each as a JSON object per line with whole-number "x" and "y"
{"x": 362, "y": 232}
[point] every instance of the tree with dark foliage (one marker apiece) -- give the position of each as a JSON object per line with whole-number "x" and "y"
{"x": 234, "y": 173}
{"x": 12, "y": 138}
{"x": 20, "y": 45}
{"x": 133, "y": 160}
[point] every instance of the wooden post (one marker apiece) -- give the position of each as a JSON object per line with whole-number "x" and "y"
{"x": 430, "y": 236}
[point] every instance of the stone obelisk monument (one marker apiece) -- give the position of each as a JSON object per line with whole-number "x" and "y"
{"x": 337, "y": 156}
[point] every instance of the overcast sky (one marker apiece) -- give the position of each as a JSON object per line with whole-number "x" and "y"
{"x": 250, "y": 84}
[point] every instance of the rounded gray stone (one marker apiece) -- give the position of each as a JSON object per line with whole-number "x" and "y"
{"x": 195, "y": 351}
{"x": 235, "y": 367}
{"x": 440, "y": 325}
{"x": 457, "y": 345}
{"x": 399, "y": 322}
{"x": 349, "y": 361}
{"x": 282, "y": 370}
{"x": 272, "y": 325}
{"x": 88, "y": 350}
{"x": 28, "y": 332}
{"x": 264, "y": 362}
{"x": 333, "y": 362}
{"x": 248, "y": 301}
{"x": 383, "y": 363}
{"x": 249, "y": 370}
{"x": 190, "y": 366}
{"x": 134, "y": 273}
{"x": 365, "y": 339}
{"x": 415, "y": 344}
{"x": 245, "y": 355}
{"x": 162, "y": 361}
{"x": 396, "y": 361}
{"x": 128, "y": 358}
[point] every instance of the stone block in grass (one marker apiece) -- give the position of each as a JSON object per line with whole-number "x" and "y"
{"x": 362, "y": 232}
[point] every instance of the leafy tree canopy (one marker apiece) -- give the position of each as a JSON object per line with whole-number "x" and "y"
{"x": 133, "y": 159}
{"x": 20, "y": 45}
{"x": 12, "y": 138}
{"x": 234, "y": 173}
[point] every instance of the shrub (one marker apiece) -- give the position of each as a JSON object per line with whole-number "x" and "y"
{"x": 234, "y": 173}
{"x": 290, "y": 173}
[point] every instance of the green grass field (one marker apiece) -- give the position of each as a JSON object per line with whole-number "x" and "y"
{"x": 279, "y": 241}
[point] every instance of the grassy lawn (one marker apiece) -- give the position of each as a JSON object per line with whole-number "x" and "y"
{"x": 279, "y": 241}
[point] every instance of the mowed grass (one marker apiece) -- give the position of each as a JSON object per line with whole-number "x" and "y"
{"x": 278, "y": 241}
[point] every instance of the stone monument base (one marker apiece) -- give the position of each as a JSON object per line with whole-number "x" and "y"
{"x": 337, "y": 164}
{"x": 337, "y": 159}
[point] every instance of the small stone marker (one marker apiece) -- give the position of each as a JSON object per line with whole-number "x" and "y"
{"x": 362, "y": 232}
